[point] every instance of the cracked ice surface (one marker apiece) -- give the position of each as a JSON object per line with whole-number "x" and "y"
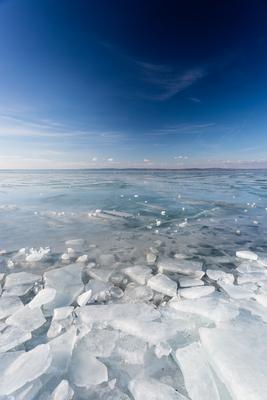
{"x": 157, "y": 297}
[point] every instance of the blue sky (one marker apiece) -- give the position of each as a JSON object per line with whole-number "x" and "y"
{"x": 87, "y": 84}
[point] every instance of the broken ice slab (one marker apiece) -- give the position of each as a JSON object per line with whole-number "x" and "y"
{"x": 26, "y": 368}
{"x": 253, "y": 277}
{"x": 220, "y": 276}
{"x": 198, "y": 377}
{"x": 44, "y": 296}
{"x": 61, "y": 349}
{"x": 99, "y": 290}
{"x": 99, "y": 342}
{"x": 261, "y": 298}
{"x": 111, "y": 312}
{"x": 161, "y": 283}
{"x": 138, "y": 273}
{"x": 247, "y": 267}
{"x": 183, "y": 267}
{"x": 62, "y": 312}
{"x": 190, "y": 282}
{"x": 247, "y": 255}
{"x": 196, "y": 292}
{"x": 152, "y": 389}
{"x": 136, "y": 294}
{"x": 26, "y": 318}
{"x": 84, "y": 298}
{"x": 13, "y": 336}
{"x": 63, "y": 391}
{"x": 100, "y": 273}
{"x": 9, "y": 305}
{"x": 254, "y": 307}
{"x": 131, "y": 349}
{"x": 213, "y": 307}
{"x": 28, "y": 391}
{"x": 238, "y": 353}
{"x": 19, "y": 283}
{"x": 6, "y": 359}
{"x": 151, "y": 331}
{"x": 85, "y": 369}
{"x": 67, "y": 282}
{"x": 237, "y": 291}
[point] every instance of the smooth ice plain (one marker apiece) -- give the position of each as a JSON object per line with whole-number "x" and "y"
{"x": 133, "y": 285}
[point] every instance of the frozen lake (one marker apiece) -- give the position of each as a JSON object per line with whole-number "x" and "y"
{"x": 133, "y": 285}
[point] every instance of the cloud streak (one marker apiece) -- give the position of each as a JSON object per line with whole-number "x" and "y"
{"x": 166, "y": 81}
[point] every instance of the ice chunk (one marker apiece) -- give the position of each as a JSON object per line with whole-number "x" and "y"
{"x": 37, "y": 255}
{"x": 247, "y": 255}
{"x": 199, "y": 381}
{"x": 131, "y": 349}
{"x": 27, "y": 318}
{"x": 63, "y": 391}
{"x": 101, "y": 274}
{"x": 151, "y": 258}
{"x": 238, "y": 354}
{"x": 183, "y": 267}
{"x": 9, "y": 305}
{"x": 85, "y": 369}
{"x": 99, "y": 290}
{"x": 55, "y": 329}
{"x": 196, "y": 292}
{"x": 214, "y": 308}
{"x": 152, "y": 332}
{"x": 99, "y": 343}
{"x": 19, "y": 283}
{"x": 6, "y": 359}
{"x": 138, "y": 273}
{"x": 11, "y": 337}
{"x": 61, "y": 351}
{"x": 28, "y": 391}
{"x": 82, "y": 259}
{"x": 161, "y": 283}
{"x": 190, "y": 282}
{"x": 84, "y": 298}
{"x": 247, "y": 267}
{"x": 237, "y": 291}
{"x": 152, "y": 389}
{"x": 162, "y": 349}
{"x": 75, "y": 242}
{"x": 252, "y": 277}
{"x": 43, "y": 297}
{"x": 68, "y": 284}
{"x": 220, "y": 276}
{"x": 111, "y": 312}
{"x": 136, "y": 294}
{"x": 261, "y": 298}
{"x": 26, "y": 368}
{"x": 107, "y": 259}
{"x": 62, "y": 312}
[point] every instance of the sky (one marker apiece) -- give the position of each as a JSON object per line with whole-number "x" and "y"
{"x": 129, "y": 83}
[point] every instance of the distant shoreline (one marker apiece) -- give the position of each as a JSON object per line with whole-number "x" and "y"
{"x": 127, "y": 169}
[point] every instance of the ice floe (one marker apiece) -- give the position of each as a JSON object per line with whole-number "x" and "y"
{"x": 26, "y": 367}
{"x": 238, "y": 352}
{"x": 196, "y": 292}
{"x": 199, "y": 380}
{"x": 161, "y": 283}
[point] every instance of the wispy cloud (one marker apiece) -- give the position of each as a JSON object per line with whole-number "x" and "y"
{"x": 162, "y": 81}
{"x": 167, "y": 81}
{"x": 183, "y": 128}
